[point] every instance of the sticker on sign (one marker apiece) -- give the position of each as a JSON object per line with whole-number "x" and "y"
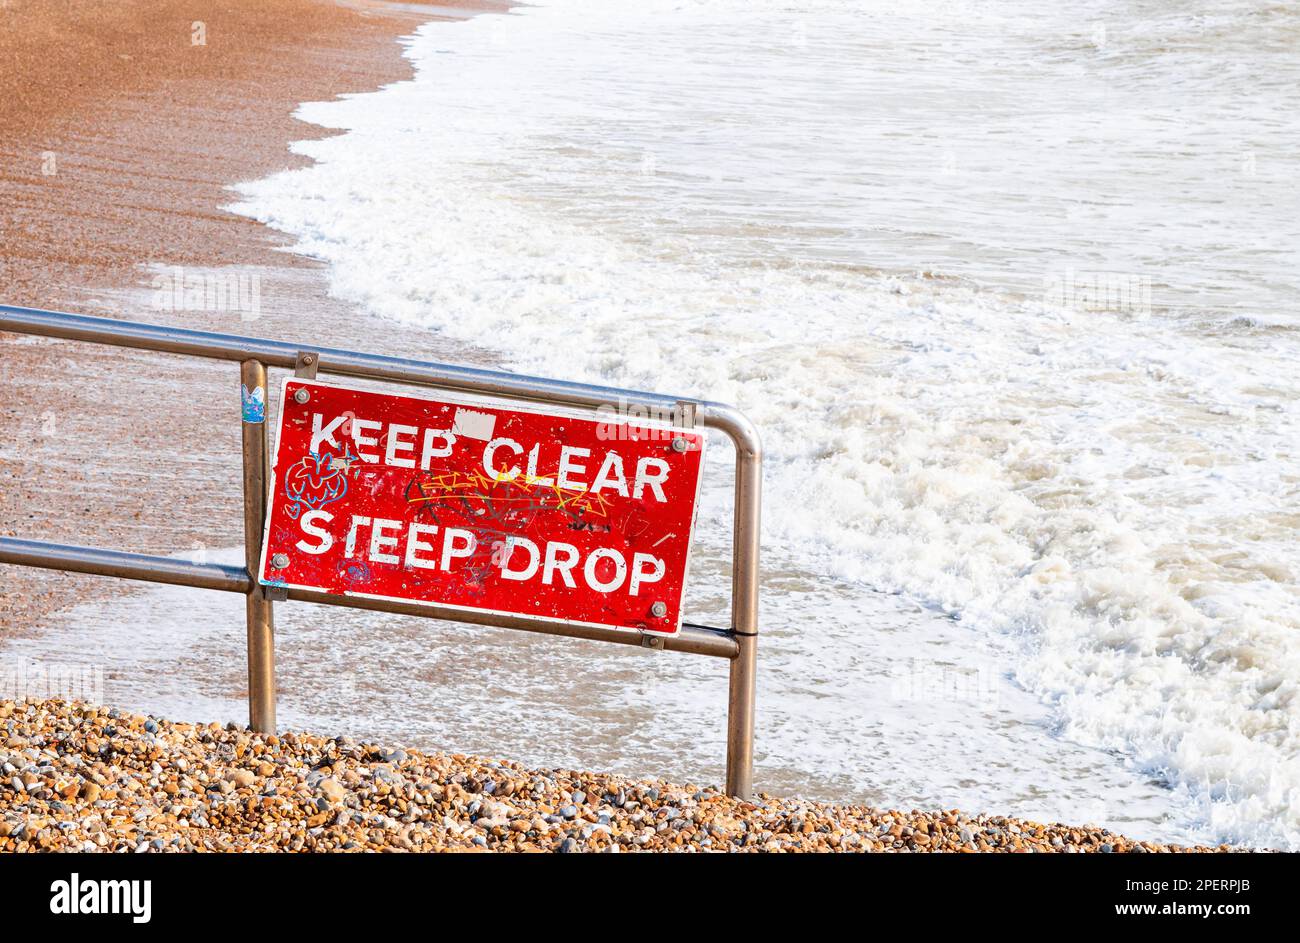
{"x": 512, "y": 510}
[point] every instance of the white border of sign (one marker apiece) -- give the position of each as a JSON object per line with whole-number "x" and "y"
{"x": 482, "y": 402}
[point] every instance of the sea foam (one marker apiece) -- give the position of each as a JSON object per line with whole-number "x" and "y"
{"x": 729, "y": 201}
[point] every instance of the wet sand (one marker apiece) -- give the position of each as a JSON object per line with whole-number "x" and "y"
{"x": 121, "y": 127}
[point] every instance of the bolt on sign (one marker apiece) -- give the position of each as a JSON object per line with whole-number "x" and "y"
{"x": 511, "y": 511}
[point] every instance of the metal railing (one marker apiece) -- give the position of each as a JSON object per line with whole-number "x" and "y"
{"x": 738, "y": 643}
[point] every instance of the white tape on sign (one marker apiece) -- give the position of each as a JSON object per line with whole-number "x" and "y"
{"x": 470, "y": 424}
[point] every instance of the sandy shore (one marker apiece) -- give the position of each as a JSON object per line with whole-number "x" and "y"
{"x": 82, "y": 778}
{"x": 121, "y": 126}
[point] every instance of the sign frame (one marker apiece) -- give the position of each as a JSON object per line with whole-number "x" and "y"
{"x": 442, "y": 609}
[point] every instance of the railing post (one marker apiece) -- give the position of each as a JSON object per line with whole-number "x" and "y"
{"x": 261, "y": 624}
{"x": 740, "y": 643}
{"x": 744, "y": 614}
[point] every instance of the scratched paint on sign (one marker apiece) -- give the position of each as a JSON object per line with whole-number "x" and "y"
{"x": 504, "y": 510}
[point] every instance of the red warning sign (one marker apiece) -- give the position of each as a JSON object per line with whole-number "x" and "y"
{"x": 516, "y": 511}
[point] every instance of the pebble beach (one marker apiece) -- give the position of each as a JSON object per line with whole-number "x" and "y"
{"x": 82, "y": 778}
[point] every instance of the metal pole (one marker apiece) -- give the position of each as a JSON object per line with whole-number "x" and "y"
{"x": 693, "y": 639}
{"x": 174, "y": 340}
{"x": 256, "y": 353}
{"x": 261, "y": 624}
{"x": 744, "y": 604}
{"x": 15, "y": 551}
